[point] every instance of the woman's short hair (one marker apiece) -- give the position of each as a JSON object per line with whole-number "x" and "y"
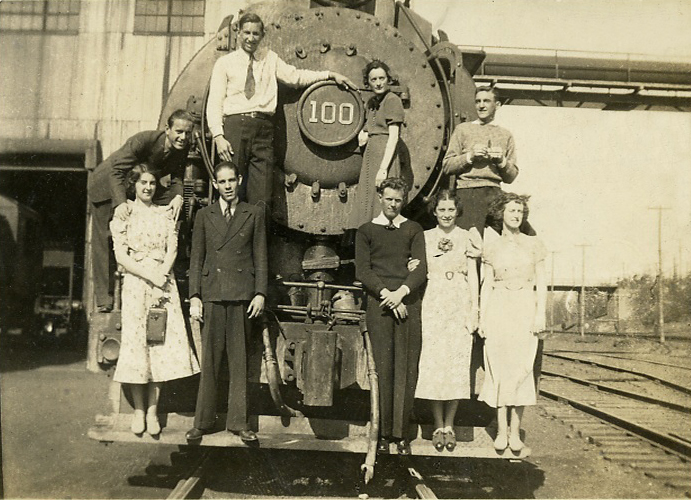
{"x": 441, "y": 195}
{"x": 375, "y": 64}
{"x": 496, "y": 208}
{"x": 133, "y": 177}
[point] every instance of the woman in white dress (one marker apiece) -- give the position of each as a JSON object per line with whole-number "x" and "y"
{"x": 449, "y": 317}
{"x": 514, "y": 295}
{"x": 145, "y": 245}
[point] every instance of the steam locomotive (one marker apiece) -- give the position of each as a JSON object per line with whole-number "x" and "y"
{"x": 313, "y": 378}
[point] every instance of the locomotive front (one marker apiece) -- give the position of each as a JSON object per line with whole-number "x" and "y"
{"x": 315, "y": 362}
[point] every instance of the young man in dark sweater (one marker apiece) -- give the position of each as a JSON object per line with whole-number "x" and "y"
{"x": 383, "y": 247}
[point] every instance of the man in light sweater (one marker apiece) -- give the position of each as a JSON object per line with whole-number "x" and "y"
{"x": 482, "y": 156}
{"x": 243, "y": 94}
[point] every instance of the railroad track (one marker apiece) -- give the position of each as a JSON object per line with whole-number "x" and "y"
{"x": 636, "y": 412}
{"x": 275, "y": 475}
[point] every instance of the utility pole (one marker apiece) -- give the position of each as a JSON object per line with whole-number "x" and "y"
{"x": 660, "y": 297}
{"x": 551, "y": 302}
{"x": 582, "y": 312}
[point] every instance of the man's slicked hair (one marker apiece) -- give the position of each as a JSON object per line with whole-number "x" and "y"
{"x": 250, "y": 17}
{"x": 395, "y": 183}
{"x": 491, "y": 90}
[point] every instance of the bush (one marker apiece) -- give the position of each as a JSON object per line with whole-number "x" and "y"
{"x": 643, "y": 293}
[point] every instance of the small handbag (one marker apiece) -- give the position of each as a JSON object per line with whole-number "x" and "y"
{"x": 156, "y": 320}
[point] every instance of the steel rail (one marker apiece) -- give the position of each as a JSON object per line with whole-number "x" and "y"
{"x": 620, "y": 392}
{"x": 187, "y": 485}
{"x": 672, "y": 444}
{"x": 649, "y": 376}
{"x": 637, "y": 360}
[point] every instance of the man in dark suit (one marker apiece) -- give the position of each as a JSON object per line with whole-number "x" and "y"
{"x": 228, "y": 281}
{"x": 165, "y": 153}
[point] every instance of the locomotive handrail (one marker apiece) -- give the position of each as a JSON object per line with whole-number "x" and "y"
{"x": 304, "y": 309}
{"x": 321, "y": 285}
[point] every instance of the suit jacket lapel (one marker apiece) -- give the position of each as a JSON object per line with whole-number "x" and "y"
{"x": 218, "y": 220}
{"x": 241, "y": 215}
{"x": 157, "y": 150}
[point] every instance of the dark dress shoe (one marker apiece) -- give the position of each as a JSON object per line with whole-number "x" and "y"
{"x": 195, "y": 434}
{"x": 246, "y": 436}
{"x": 105, "y": 309}
{"x": 383, "y": 445}
{"x": 403, "y": 447}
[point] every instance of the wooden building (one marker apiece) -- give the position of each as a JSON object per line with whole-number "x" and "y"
{"x": 96, "y": 69}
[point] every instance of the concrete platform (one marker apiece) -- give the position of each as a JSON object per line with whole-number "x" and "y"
{"x": 298, "y": 433}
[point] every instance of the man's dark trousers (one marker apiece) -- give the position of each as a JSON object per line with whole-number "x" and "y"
{"x": 226, "y": 327}
{"x": 252, "y": 140}
{"x": 396, "y": 346}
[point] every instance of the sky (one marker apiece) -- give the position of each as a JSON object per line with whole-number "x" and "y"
{"x": 593, "y": 175}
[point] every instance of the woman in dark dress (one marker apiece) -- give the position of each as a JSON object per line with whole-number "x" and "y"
{"x": 380, "y": 136}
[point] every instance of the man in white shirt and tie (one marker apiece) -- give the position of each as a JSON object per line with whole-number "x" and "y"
{"x": 242, "y": 100}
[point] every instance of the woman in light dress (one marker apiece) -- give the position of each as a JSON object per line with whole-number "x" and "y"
{"x": 449, "y": 316}
{"x": 513, "y": 300}
{"x": 145, "y": 245}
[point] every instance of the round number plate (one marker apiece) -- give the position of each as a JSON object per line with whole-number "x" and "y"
{"x": 329, "y": 115}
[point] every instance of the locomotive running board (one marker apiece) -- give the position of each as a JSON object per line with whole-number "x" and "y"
{"x": 298, "y": 433}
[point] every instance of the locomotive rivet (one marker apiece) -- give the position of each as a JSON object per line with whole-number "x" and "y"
{"x": 357, "y": 16}
{"x": 411, "y": 47}
{"x": 433, "y": 84}
{"x": 377, "y": 23}
{"x": 300, "y": 52}
{"x": 456, "y": 115}
{"x": 436, "y": 148}
{"x": 323, "y": 230}
{"x": 301, "y": 225}
{"x": 439, "y": 127}
{"x": 278, "y": 26}
{"x": 235, "y": 27}
{"x": 417, "y": 186}
{"x": 439, "y": 105}
{"x": 351, "y": 50}
{"x": 424, "y": 65}
{"x": 395, "y": 34}
{"x": 325, "y": 48}
{"x": 429, "y": 168}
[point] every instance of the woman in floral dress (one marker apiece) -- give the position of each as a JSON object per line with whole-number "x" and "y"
{"x": 449, "y": 317}
{"x": 513, "y": 299}
{"x": 145, "y": 245}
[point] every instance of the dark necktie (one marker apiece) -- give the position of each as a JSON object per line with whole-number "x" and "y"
{"x": 227, "y": 213}
{"x": 249, "y": 81}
